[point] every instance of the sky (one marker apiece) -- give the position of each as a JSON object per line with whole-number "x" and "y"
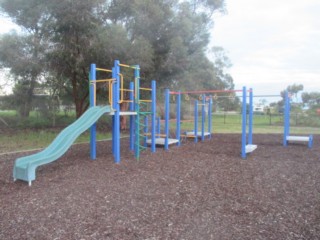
{"x": 271, "y": 44}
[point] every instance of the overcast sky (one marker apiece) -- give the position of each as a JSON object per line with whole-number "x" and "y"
{"x": 272, "y": 44}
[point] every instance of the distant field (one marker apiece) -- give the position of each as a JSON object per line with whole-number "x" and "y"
{"x": 40, "y": 135}
{"x": 231, "y": 123}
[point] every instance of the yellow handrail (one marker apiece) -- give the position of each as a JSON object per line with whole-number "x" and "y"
{"x": 109, "y": 81}
{"x": 128, "y": 66}
{"x": 121, "y": 88}
{"x": 157, "y": 135}
{"x": 127, "y": 90}
{"x": 110, "y": 93}
{"x": 188, "y": 136}
{"x": 103, "y": 70}
{"x": 146, "y": 89}
{"x": 103, "y": 80}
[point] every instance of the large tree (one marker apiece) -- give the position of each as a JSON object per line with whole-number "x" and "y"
{"x": 168, "y": 38}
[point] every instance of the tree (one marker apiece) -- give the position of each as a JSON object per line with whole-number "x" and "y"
{"x": 23, "y": 55}
{"x": 167, "y": 38}
{"x": 292, "y": 89}
{"x": 311, "y": 100}
{"x": 59, "y": 32}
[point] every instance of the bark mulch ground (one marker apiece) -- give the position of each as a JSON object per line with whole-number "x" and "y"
{"x": 196, "y": 191}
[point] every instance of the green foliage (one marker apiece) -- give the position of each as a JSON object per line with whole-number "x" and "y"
{"x": 311, "y": 100}
{"x": 167, "y": 38}
{"x": 292, "y": 89}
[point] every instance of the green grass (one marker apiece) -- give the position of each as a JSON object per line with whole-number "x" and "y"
{"x": 261, "y": 124}
{"x": 28, "y": 139}
{"x": 8, "y": 113}
{"x": 37, "y": 132}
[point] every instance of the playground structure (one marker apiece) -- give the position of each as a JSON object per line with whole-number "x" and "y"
{"x": 286, "y": 134}
{"x": 136, "y": 111}
{"x": 139, "y": 112}
{"x": 247, "y": 145}
{"x": 165, "y": 139}
{"x": 25, "y": 167}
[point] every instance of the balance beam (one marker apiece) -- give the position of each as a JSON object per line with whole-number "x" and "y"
{"x": 308, "y": 139}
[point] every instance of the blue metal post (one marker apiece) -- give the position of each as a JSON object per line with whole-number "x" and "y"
{"x": 137, "y": 109}
{"x": 178, "y": 128}
{"x": 286, "y": 119}
{"x": 203, "y": 118}
{"x": 310, "y": 143}
{"x": 153, "y": 115}
{"x": 113, "y": 116}
{"x": 244, "y": 123}
{"x": 167, "y": 116}
{"x": 93, "y": 132}
{"x": 210, "y": 117}
{"x": 116, "y": 94}
{"x": 195, "y": 121}
{"x": 250, "y": 116}
{"x": 131, "y": 108}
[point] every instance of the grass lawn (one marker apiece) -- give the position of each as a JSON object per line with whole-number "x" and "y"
{"x": 26, "y": 139}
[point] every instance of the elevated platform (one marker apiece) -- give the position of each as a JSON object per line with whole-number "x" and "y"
{"x": 250, "y": 148}
{"x": 161, "y": 141}
{"x": 298, "y": 138}
{"x": 125, "y": 113}
{"x": 308, "y": 139}
{"x": 199, "y": 134}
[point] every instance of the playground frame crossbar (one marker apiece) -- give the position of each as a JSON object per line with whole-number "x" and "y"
{"x": 206, "y": 91}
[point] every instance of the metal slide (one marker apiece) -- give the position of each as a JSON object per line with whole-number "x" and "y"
{"x": 25, "y": 167}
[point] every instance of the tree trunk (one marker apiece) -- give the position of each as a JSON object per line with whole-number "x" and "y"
{"x": 25, "y": 109}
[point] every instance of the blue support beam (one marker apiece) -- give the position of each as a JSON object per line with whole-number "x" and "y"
{"x": 210, "y": 117}
{"x": 167, "y": 116}
{"x": 116, "y": 123}
{"x": 178, "y": 127}
{"x": 113, "y": 116}
{"x": 132, "y": 117}
{"x": 286, "y": 119}
{"x": 137, "y": 109}
{"x": 153, "y": 115}
{"x": 250, "y": 140}
{"x": 195, "y": 121}
{"x": 93, "y": 129}
{"x": 244, "y": 123}
{"x": 203, "y": 118}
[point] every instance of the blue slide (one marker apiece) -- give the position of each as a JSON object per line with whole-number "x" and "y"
{"x": 25, "y": 167}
